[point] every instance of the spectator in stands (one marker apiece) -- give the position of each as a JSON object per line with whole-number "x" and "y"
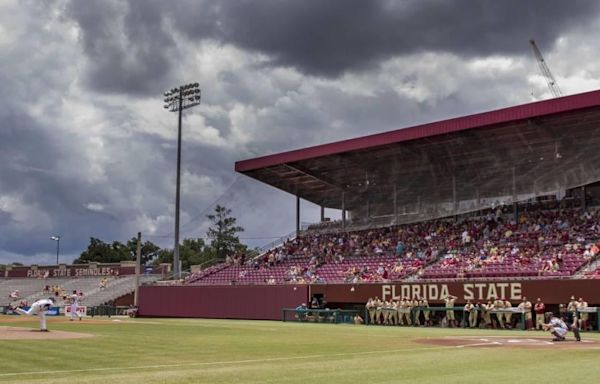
{"x": 540, "y": 242}
{"x": 14, "y": 295}
{"x": 400, "y": 249}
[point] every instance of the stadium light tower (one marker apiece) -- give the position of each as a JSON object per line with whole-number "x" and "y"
{"x": 57, "y": 239}
{"x": 176, "y": 100}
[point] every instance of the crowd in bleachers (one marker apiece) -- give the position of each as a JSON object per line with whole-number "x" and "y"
{"x": 538, "y": 242}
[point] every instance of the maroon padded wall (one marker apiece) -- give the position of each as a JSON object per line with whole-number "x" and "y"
{"x": 220, "y": 302}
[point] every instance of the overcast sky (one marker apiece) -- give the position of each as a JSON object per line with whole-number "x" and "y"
{"x": 86, "y": 148}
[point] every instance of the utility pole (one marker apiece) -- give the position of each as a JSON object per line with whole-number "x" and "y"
{"x": 550, "y": 80}
{"x": 138, "y": 261}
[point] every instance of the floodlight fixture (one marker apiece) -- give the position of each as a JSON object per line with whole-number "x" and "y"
{"x": 57, "y": 239}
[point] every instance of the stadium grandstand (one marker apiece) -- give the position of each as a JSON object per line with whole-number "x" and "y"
{"x": 508, "y": 194}
{"x": 98, "y": 284}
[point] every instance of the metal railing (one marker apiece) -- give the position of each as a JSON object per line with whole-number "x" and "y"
{"x": 276, "y": 243}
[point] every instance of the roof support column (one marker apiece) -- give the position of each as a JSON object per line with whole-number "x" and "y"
{"x": 455, "y": 203}
{"x": 395, "y": 204}
{"x": 478, "y": 199}
{"x": 343, "y": 210}
{"x": 322, "y": 213}
{"x": 583, "y": 200}
{"x": 514, "y": 195}
{"x": 514, "y": 185}
{"x": 297, "y": 216}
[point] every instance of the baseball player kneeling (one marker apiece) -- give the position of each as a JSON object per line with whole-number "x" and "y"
{"x": 559, "y": 328}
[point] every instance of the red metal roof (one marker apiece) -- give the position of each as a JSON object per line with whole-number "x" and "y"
{"x": 480, "y": 120}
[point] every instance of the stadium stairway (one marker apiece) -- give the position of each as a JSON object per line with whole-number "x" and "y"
{"x": 588, "y": 269}
{"x": 31, "y": 290}
{"x": 114, "y": 289}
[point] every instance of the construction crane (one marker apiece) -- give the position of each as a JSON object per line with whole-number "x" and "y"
{"x": 550, "y": 80}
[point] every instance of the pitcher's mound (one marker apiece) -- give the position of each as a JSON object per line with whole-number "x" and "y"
{"x": 17, "y": 333}
{"x": 511, "y": 341}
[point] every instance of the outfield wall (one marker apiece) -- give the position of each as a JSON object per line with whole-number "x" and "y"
{"x": 264, "y": 302}
{"x": 260, "y": 302}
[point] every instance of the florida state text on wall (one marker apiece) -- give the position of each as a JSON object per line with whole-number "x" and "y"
{"x": 428, "y": 291}
{"x": 490, "y": 291}
{"x": 437, "y": 292}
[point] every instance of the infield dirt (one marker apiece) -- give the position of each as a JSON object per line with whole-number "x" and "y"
{"x": 508, "y": 342}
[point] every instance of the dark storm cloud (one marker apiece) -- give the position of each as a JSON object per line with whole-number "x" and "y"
{"x": 131, "y": 48}
{"x": 77, "y": 160}
{"x": 330, "y": 37}
{"x": 126, "y": 43}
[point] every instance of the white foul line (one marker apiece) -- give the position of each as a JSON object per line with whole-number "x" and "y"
{"x": 270, "y": 359}
{"x": 478, "y": 344}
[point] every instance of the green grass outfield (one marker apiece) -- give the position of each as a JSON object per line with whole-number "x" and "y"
{"x": 229, "y": 351}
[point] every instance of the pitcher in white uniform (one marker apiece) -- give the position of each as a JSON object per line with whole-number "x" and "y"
{"x": 39, "y": 309}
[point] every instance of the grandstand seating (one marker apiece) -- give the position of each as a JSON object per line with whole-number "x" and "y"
{"x": 541, "y": 244}
{"x": 595, "y": 274}
{"x": 25, "y": 286}
{"x": 31, "y": 290}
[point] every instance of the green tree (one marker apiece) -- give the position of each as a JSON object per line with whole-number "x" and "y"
{"x": 223, "y": 232}
{"x": 101, "y": 252}
{"x": 149, "y": 250}
{"x": 191, "y": 252}
{"x": 164, "y": 256}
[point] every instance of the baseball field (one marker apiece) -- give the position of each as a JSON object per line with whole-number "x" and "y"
{"x": 122, "y": 350}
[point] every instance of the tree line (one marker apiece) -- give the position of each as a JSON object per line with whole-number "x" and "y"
{"x": 222, "y": 233}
